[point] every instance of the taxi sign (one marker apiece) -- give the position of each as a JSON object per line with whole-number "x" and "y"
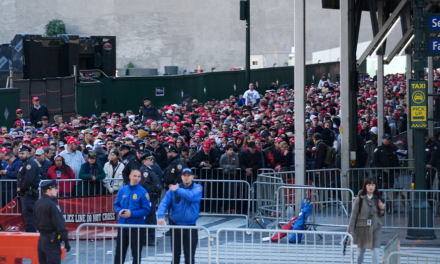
{"x": 418, "y": 110}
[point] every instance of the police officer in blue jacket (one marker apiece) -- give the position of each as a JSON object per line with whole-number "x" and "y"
{"x": 183, "y": 201}
{"x": 132, "y": 204}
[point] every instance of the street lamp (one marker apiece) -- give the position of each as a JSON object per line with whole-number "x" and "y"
{"x": 245, "y": 15}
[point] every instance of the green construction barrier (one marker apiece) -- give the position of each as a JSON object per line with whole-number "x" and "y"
{"x": 9, "y": 102}
{"x": 89, "y": 98}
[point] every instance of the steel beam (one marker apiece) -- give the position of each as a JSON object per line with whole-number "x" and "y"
{"x": 383, "y": 33}
{"x": 400, "y": 45}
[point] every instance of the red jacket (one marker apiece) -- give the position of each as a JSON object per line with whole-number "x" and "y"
{"x": 65, "y": 187}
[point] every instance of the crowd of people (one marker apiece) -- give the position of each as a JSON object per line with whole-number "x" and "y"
{"x": 240, "y": 133}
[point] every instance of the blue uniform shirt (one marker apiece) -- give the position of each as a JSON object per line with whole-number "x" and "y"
{"x": 184, "y": 204}
{"x": 137, "y": 200}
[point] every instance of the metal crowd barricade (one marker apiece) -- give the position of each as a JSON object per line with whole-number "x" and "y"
{"x": 102, "y": 246}
{"x": 8, "y": 192}
{"x": 235, "y": 246}
{"x": 225, "y": 197}
{"x": 399, "y": 206}
{"x": 330, "y": 211}
{"x": 386, "y": 178}
{"x": 408, "y": 258}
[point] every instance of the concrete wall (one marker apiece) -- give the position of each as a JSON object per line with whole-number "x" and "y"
{"x": 153, "y": 33}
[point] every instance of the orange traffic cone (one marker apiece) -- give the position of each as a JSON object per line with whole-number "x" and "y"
{"x": 198, "y": 69}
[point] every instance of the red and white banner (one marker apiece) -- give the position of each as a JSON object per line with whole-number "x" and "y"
{"x": 77, "y": 210}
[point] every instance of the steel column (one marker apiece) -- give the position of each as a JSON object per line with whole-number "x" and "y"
{"x": 300, "y": 84}
{"x": 430, "y": 98}
{"x": 345, "y": 87}
{"x": 248, "y": 46}
{"x": 409, "y": 130}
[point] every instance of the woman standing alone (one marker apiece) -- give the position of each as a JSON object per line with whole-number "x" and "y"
{"x": 366, "y": 221}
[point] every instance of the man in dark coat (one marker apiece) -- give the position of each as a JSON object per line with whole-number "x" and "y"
{"x": 37, "y": 112}
{"x": 148, "y": 111}
{"x": 160, "y": 154}
{"x": 385, "y": 157}
{"x": 250, "y": 162}
{"x": 432, "y": 156}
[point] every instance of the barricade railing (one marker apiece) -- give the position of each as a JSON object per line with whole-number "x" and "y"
{"x": 235, "y": 246}
{"x": 400, "y": 212}
{"x": 103, "y": 244}
{"x": 8, "y": 192}
{"x": 331, "y": 206}
{"x": 225, "y": 197}
{"x": 409, "y": 258}
{"x": 206, "y": 173}
{"x": 386, "y": 178}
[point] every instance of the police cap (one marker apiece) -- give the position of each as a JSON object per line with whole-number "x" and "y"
{"x": 125, "y": 146}
{"x": 172, "y": 148}
{"x": 141, "y": 148}
{"x": 147, "y": 155}
{"x": 24, "y": 148}
{"x": 49, "y": 185}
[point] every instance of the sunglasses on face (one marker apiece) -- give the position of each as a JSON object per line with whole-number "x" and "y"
{"x": 153, "y": 142}
{"x": 387, "y": 138}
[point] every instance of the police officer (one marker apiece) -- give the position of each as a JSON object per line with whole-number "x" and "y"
{"x": 132, "y": 204}
{"x": 432, "y": 161}
{"x": 28, "y": 179}
{"x": 51, "y": 225}
{"x": 172, "y": 173}
{"x": 183, "y": 201}
{"x": 150, "y": 182}
{"x": 135, "y": 163}
{"x": 127, "y": 154}
{"x": 385, "y": 157}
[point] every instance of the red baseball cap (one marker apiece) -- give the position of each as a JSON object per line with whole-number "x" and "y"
{"x": 205, "y": 126}
{"x": 277, "y": 140}
{"x": 166, "y": 125}
{"x": 18, "y": 122}
{"x": 292, "y": 140}
{"x": 18, "y": 110}
{"x": 224, "y": 134}
{"x": 206, "y": 145}
{"x": 374, "y": 105}
{"x": 35, "y": 99}
{"x": 73, "y": 141}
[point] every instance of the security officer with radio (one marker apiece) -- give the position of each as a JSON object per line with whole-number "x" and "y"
{"x": 28, "y": 179}
{"x": 135, "y": 163}
{"x": 385, "y": 157}
{"x": 51, "y": 225}
{"x": 150, "y": 182}
{"x": 173, "y": 171}
{"x": 183, "y": 201}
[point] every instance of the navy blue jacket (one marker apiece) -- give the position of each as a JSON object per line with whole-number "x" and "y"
{"x": 137, "y": 200}
{"x": 184, "y": 204}
{"x": 12, "y": 170}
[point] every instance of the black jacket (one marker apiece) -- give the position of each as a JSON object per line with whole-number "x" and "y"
{"x": 160, "y": 156}
{"x": 172, "y": 173}
{"x": 128, "y": 156}
{"x": 28, "y": 177}
{"x": 320, "y": 153}
{"x": 253, "y": 161}
{"x": 37, "y": 114}
{"x": 150, "y": 113}
{"x": 431, "y": 150}
{"x": 385, "y": 156}
{"x": 133, "y": 164}
{"x": 213, "y": 157}
{"x": 281, "y": 159}
{"x": 102, "y": 159}
{"x": 150, "y": 181}
{"x": 49, "y": 217}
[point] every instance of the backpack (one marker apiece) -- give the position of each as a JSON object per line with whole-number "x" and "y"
{"x": 330, "y": 156}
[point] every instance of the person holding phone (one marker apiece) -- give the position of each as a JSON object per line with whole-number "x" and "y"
{"x": 366, "y": 221}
